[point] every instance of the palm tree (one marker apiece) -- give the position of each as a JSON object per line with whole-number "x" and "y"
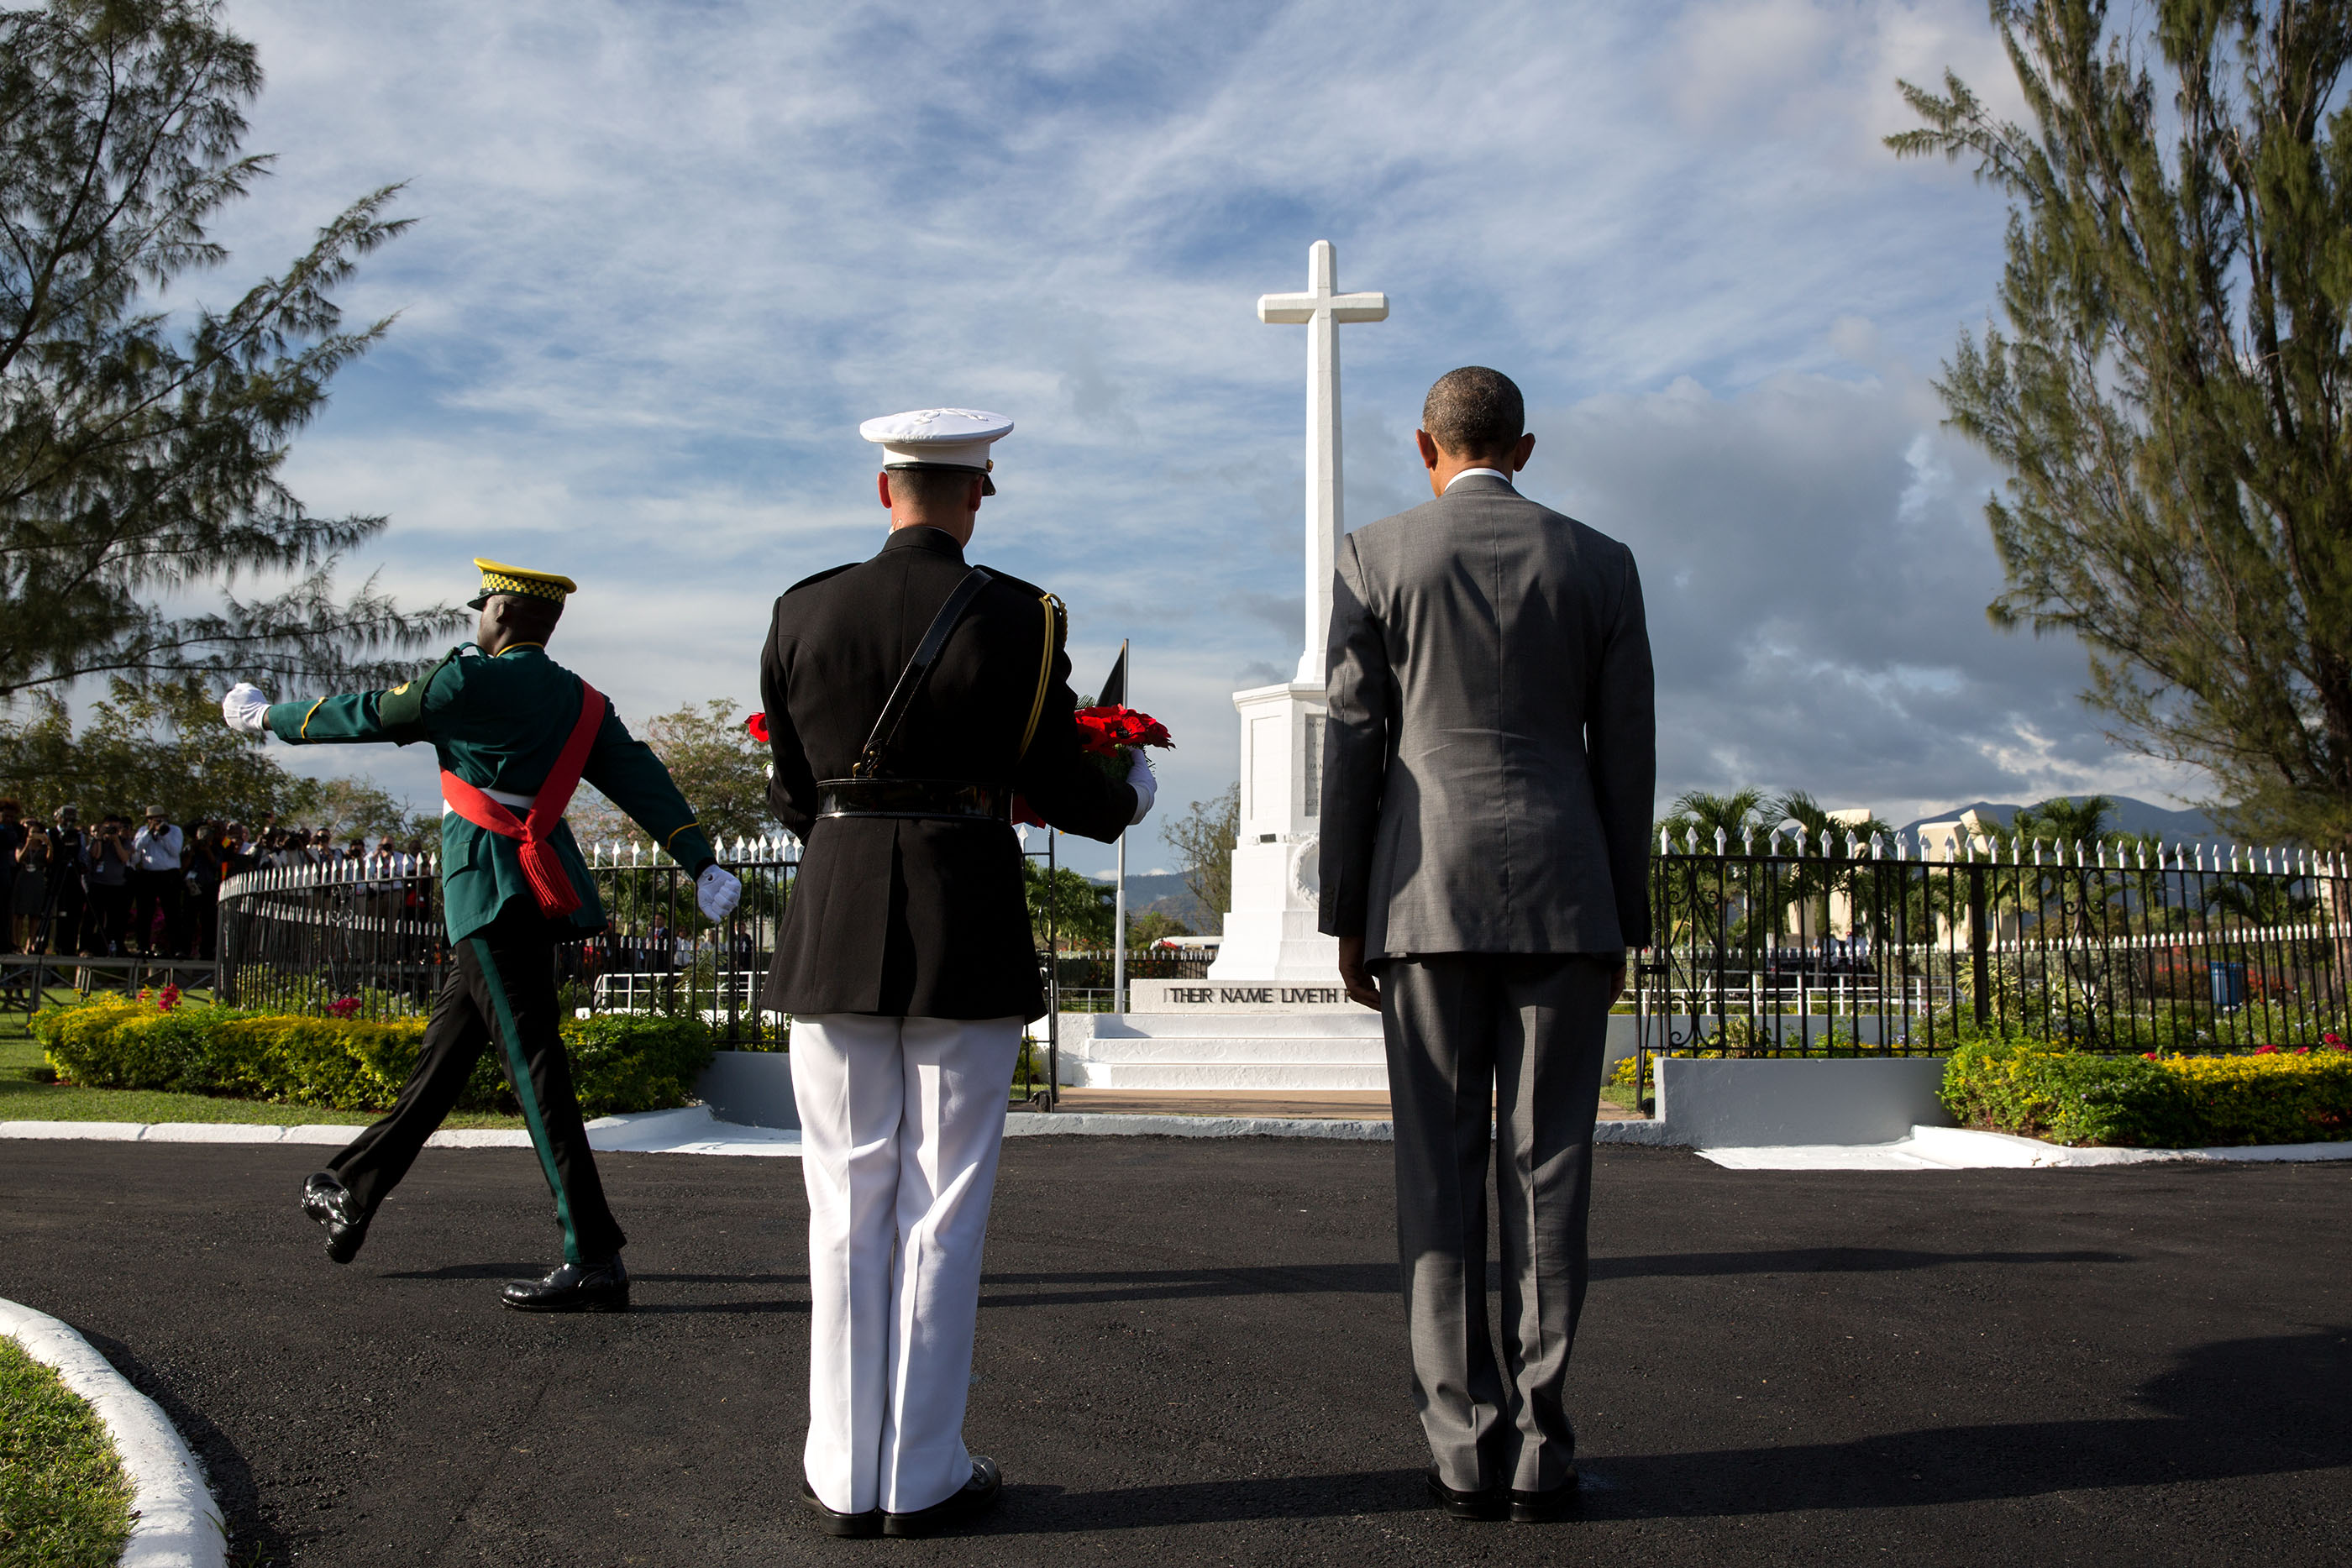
{"x": 2078, "y": 828}
{"x": 1704, "y": 904}
{"x": 1812, "y": 882}
{"x": 1733, "y": 815}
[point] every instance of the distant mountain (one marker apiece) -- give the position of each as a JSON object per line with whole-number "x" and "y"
{"x": 2129, "y": 816}
{"x": 1167, "y": 894}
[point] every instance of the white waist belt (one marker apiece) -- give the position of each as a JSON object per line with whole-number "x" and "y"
{"x": 510, "y": 800}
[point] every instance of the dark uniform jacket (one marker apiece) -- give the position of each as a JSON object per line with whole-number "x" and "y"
{"x": 908, "y": 918}
{"x": 1491, "y": 748}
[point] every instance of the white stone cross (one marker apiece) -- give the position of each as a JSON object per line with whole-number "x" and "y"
{"x": 1321, "y": 309}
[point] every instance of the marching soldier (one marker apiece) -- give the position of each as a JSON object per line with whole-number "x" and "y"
{"x": 909, "y": 698}
{"x": 516, "y": 733}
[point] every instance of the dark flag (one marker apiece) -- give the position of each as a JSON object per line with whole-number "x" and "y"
{"x": 1114, "y": 689}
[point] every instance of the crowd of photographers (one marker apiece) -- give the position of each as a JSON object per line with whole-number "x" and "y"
{"x": 152, "y": 890}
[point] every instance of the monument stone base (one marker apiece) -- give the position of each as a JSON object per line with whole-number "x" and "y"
{"x": 1212, "y": 1035}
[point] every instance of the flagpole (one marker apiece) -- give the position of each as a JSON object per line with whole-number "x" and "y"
{"x": 1118, "y": 964}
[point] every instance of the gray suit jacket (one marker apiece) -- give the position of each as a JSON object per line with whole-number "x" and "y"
{"x": 1491, "y": 751}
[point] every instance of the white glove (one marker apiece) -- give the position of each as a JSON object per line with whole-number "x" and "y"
{"x": 1147, "y": 787}
{"x": 717, "y": 891}
{"x": 246, "y": 708}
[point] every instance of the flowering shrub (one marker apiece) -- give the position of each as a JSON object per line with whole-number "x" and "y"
{"x": 619, "y": 1061}
{"x": 2152, "y": 1101}
{"x": 344, "y": 1007}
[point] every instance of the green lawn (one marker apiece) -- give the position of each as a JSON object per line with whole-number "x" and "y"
{"x": 24, "y": 1097}
{"x": 64, "y": 1500}
{"x": 1622, "y": 1095}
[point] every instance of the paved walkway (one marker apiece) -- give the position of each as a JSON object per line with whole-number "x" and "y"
{"x": 1191, "y": 1353}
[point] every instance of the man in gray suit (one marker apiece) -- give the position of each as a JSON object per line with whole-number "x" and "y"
{"x": 1488, "y": 765}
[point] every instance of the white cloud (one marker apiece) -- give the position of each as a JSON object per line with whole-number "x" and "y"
{"x": 668, "y": 254}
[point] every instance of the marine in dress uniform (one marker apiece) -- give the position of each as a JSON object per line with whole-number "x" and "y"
{"x": 515, "y": 732}
{"x": 909, "y": 698}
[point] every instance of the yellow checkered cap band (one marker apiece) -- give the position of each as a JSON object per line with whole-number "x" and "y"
{"x": 499, "y": 577}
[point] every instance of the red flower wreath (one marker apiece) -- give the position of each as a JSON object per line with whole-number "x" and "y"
{"x": 1109, "y": 736}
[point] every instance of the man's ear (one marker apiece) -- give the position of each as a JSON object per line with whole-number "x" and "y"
{"x": 972, "y": 498}
{"x": 1429, "y": 452}
{"x": 882, "y": 488}
{"x": 1520, "y": 453}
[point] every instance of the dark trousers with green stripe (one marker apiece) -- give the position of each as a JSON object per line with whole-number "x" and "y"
{"x": 500, "y": 995}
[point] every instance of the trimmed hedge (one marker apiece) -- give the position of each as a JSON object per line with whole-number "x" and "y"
{"x": 620, "y": 1062}
{"x": 2151, "y": 1102}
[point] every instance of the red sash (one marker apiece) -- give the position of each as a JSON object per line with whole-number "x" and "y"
{"x": 557, "y": 897}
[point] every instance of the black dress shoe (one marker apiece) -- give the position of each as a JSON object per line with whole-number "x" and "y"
{"x": 1562, "y": 1501}
{"x": 330, "y": 1202}
{"x": 978, "y": 1496}
{"x": 1492, "y": 1504}
{"x": 849, "y": 1526}
{"x": 602, "y": 1287}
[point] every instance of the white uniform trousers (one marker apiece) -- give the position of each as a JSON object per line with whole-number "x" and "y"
{"x": 901, "y": 1119}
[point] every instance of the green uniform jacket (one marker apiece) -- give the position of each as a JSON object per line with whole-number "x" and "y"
{"x": 500, "y": 724}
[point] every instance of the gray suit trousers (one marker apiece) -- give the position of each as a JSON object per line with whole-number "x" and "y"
{"x": 1523, "y": 1034}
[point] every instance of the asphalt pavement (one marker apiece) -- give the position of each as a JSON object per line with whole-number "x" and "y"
{"x": 1190, "y": 1352}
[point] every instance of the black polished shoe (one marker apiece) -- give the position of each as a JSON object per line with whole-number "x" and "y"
{"x": 1562, "y": 1501}
{"x": 575, "y": 1287}
{"x": 978, "y": 1496}
{"x": 330, "y": 1202}
{"x": 1492, "y": 1504}
{"x": 849, "y": 1526}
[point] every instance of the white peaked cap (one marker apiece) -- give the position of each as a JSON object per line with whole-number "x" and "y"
{"x": 938, "y": 437}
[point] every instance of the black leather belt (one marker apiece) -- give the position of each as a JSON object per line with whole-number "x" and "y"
{"x": 944, "y": 799}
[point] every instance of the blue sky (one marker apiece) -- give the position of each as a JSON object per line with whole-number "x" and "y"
{"x": 668, "y": 256}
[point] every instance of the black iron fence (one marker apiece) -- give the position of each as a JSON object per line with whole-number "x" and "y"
{"x": 365, "y": 939}
{"x": 1896, "y": 947}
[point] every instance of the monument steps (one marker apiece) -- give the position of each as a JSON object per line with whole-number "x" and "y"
{"x": 1306, "y": 1052}
{"x": 1231, "y": 1075}
{"x": 1290, "y": 1050}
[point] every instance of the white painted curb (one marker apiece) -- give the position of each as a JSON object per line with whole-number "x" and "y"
{"x": 175, "y": 1522}
{"x": 1968, "y": 1148}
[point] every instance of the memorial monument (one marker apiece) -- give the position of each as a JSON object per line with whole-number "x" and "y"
{"x": 1270, "y": 932}
{"x": 1270, "y": 1016}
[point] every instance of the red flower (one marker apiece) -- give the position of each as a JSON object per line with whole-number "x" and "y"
{"x": 2332, "y": 1039}
{"x": 2303, "y": 1050}
{"x": 344, "y": 1008}
{"x": 1103, "y": 730}
{"x": 758, "y": 725}
{"x": 2148, "y": 1054}
{"x": 169, "y": 999}
{"x": 2265, "y": 1050}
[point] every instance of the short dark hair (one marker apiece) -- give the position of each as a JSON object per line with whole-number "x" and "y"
{"x": 923, "y": 488}
{"x": 532, "y": 616}
{"x": 1475, "y": 412}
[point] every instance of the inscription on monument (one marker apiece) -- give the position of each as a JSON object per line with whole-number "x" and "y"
{"x": 1191, "y": 996}
{"x": 1250, "y": 996}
